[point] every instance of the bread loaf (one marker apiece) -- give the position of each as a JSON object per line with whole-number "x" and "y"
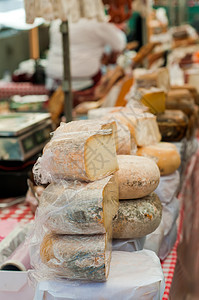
{"x": 173, "y": 125}
{"x": 72, "y": 208}
{"x": 143, "y": 126}
{"x": 137, "y": 176}
{"x": 84, "y": 156}
{"x": 157, "y": 78}
{"x": 164, "y": 154}
{"x": 77, "y": 257}
{"x": 137, "y": 218}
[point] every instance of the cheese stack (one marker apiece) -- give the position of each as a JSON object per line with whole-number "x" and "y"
{"x": 77, "y": 207}
{"x": 140, "y": 209}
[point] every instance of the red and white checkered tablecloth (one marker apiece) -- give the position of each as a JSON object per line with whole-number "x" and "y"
{"x": 8, "y": 89}
{"x": 168, "y": 265}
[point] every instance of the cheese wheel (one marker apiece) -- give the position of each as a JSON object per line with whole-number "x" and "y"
{"x": 157, "y": 78}
{"x": 173, "y": 125}
{"x": 86, "y": 125}
{"x": 188, "y": 87}
{"x": 137, "y": 176}
{"x": 143, "y": 126}
{"x": 164, "y": 154}
{"x": 74, "y": 208}
{"x": 180, "y": 100}
{"x": 137, "y": 218}
{"x": 84, "y": 156}
{"x": 77, "y": 257}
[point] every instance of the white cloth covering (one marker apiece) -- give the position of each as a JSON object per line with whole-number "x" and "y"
{"x": 136, "y": 275}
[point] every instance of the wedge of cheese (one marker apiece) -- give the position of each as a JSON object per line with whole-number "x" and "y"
{"x": 80, "y": 208}
{"x": 143, "y": 126}
{"x": 137, "y": 176}
{"x": 173, "y": 125}
{"x": 164, "y": 154}
{"x": 154, "y": 98}
{"x": 137, "y": 218}
{"x": 188, "y": 87}
{"x": 157, "y": 78}
{"x": 86, "y": 125}
{"x": 77, "y": 257}
{"x": 84, "y": 156}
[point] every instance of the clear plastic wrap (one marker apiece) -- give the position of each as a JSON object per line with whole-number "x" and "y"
{"x": 75, "y": 257}
{"x": 138, "y": 176}
{"x": 168, "y": 187}
{"x": 86, "y": 125}
{"x": 79, "y": 208}
{"x": 163, "y": 238}
{"x": 132, "y": 276}
{"x": 126, "y": 141}
{"x": 84, "y": 156}
{"x": 137, "y": 218}
{"x": 13, "y": 240}
{"x": 129, "y": 245}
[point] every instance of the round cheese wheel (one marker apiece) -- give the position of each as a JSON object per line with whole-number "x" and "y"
{"x": 137, "y": 176}
{"x": 137, "y": 218}
{"x": 164, "y": 154}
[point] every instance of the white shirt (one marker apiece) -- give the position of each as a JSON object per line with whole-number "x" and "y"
{"x": 87, "y": 41}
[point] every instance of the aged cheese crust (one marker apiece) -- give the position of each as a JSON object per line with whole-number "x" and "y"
{"x": 83, "y": 156}
{"x": 86, "y": 125}
{"x": 173, "y": 125}
{"x": 77, "y": 257}
{"x": 137, "y": 177}
{"x": 137, "y": 218}
{"x": 142, "y": 125}
{"x": 73, "y": 208}
{"x": 164, "y": 154}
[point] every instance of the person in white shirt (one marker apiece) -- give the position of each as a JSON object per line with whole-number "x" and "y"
{"x": 88, "y": 39}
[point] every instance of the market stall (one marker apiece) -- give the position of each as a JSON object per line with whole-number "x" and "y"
{"x": 117, "y": 185}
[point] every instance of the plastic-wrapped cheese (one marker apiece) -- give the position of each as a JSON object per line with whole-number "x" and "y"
{"x": 99, "y": 113}
{"x": 86, "y": 125}
{"x": 173, "y": 125}
{"x": 77, "y": 257}
{"x": 157, "y": 78}
{"x": 84, "y": 156}
{"x": 137, "y": 176}
{"x": 143, "y": 126}
{"x": 164, "y": 154}
{"x": 137, "y": 218}
{"x": 80, "y": 208}
{"x": 126, "y": 142}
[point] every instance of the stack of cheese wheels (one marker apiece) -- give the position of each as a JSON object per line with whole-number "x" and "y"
{"x": 140, "y": 209}
{"x": 164, "y": 154}
{"x": 77, "y": 207}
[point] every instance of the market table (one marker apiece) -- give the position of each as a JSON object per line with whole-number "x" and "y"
{"x": 22, "y": 213}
